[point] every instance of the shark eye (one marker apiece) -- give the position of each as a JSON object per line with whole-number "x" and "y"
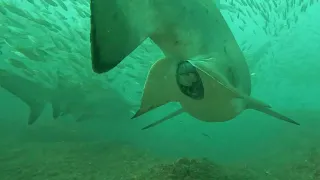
{"x": 189, "y": 81}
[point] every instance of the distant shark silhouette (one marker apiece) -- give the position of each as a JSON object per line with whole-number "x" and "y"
{"x": 87, "y": 100}
{"x": 66, "y": 98}
{"x": 33, "y": 94}
{"x": 203, "y": 68}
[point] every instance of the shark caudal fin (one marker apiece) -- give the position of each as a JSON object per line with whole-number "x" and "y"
{"x": 112, "y": 38}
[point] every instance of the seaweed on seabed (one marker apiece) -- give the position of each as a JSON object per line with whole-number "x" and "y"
{"x": 191, "y": 169}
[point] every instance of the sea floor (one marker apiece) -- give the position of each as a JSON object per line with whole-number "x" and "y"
{"x": 71, "y": 161}
{"x": 112, "y": 161}
{"x": 30, "y": 158}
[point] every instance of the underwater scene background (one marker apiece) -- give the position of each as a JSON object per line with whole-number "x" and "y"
{"x": 84, "y": 130}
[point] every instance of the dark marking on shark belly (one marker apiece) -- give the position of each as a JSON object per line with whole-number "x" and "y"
{"x": 230, "y": 71}
{"x": 232, "y": 78}
{"x": 189, "y": 81}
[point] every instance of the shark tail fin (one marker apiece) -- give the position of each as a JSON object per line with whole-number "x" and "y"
{"x": 266, "y": 109}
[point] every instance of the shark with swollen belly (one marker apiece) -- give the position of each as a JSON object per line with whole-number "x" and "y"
{"x": 203, "y": 68}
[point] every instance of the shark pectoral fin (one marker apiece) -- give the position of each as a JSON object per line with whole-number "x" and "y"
{"x": 232, "y": 91}
{"x": 256, "y": 103}
{"x": 169, "y": 116}
{"x": 36, "y": 109}
{"x": 259, "y": 105}
{"x": 262, "y": 107}
{"x": 160, "y": 87}
{"x": 251, "y": 102}
{"x": 112, "y": 38}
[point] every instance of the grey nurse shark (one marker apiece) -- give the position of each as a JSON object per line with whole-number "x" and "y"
{"x": 203, "y": 67}
{"x": 89, "y": 100}
{"x": 34, "y": 95}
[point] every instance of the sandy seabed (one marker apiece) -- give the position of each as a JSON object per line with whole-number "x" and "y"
{"x": 112, "y": 161}
{"x": 32, "y": 157}
{"x": 70, "y": 161}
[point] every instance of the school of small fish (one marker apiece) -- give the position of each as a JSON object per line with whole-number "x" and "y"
{"x": 41, "y": 38}
{"x": 273, "y": 17}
